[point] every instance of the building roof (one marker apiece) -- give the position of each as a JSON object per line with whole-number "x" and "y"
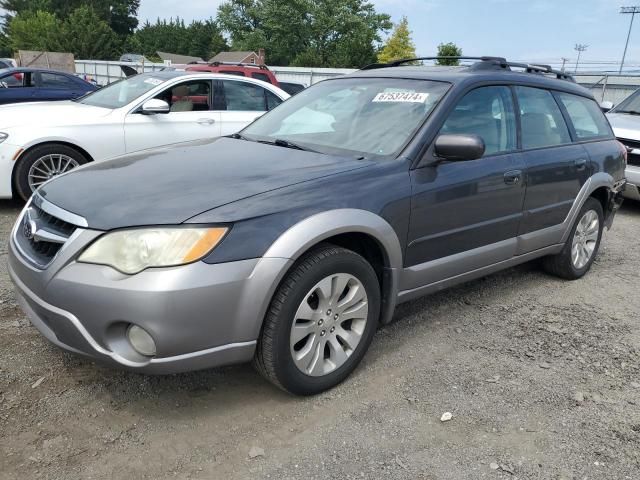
{"x": 232, "y": 57}
{"x": 175, "y": 58}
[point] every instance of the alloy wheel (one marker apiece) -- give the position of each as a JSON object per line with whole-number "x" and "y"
{"x": 585, "y": 239}
{"x": 49, "y": 166}
{"x": 329, "y": 324}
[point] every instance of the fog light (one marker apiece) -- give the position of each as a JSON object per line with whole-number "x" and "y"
{"x": 141, "y": 341}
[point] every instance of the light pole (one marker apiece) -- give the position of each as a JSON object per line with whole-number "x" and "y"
{"x": 579, "y": 48}
{"x": 626, "y": 11}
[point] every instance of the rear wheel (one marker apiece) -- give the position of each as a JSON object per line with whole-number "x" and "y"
{"x": 42, "y": 164}
{"x": 320, "y": 323}
{"x": 582, "y": 246}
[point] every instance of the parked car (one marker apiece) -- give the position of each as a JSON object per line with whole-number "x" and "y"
{"x": 39, "y": 141}
{"x": 7, "y": 63}
{"x": 625, "y": 120}
{"x": 259, "y": 72}
{"x": 34, "y": 85}
{"x": 292, "y": 88}
{"x": 290, "y": 242}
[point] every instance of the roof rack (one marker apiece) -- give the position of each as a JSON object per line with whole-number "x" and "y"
{"x": 238, "y": 64}
{"x": 483, "y": 63}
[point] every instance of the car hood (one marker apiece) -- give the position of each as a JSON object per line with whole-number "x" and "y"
{"x": 625, "y": 125}
{"x": 171, "y": 185}
{"x": 49, "y": 113}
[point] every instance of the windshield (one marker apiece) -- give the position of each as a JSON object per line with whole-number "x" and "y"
{"x": 370, "y": 117}
{"x": 630, "y": 105}
{"x": 122, "y": 93}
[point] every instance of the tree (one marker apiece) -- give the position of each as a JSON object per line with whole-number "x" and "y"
{"x": 399, "y": 45}
{"x": 328, "y": 33}
{"x": 448, "y": 50}
{"x": 119, "y": 14}
{"x": 87, "y": 36}
{"x": 34, "y": 31}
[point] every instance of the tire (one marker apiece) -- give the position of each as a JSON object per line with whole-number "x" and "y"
{"x": 55, "y": 158}
{"x": 276, "y": 353}
{"x": 564, "y": 264}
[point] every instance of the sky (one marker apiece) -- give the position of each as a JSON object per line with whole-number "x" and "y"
{"x": 524, "y": 30}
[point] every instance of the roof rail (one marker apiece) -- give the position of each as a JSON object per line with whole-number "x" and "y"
{"x": 482, "y": 63}
{"x": 238, "y": 64}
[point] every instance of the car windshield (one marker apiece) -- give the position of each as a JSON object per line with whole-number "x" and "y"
{"x": 364, "y": 117}
{"x": 630, "y": 105}
{"x": 123, "y": 92}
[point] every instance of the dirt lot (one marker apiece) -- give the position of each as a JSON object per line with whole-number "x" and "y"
{"x": 542, "y": 377}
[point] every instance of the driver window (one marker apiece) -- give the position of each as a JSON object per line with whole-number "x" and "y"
{"x": 489, "y": 113}
{"x": 188, "y": 96}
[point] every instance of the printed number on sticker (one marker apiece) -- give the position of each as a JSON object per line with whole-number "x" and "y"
{"x": 408, "y": 97}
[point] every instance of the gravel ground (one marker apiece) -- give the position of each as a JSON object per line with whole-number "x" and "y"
{"x": 542, "y": 378}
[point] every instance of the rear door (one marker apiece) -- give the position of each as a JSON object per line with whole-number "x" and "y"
{"x": 191, "y": 118}
{"x": 239, "y": 103}
{"x": 556, "y": 167}
{"x": 473, "y": 207}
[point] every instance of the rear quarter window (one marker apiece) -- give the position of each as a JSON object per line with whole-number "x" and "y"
{"x": 586, "y": 116}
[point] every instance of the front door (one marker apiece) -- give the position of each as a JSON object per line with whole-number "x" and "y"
{"x": 190, "y": 118}
{"x": 469, "y": 209}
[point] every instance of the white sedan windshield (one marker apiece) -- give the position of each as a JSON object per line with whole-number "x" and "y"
{"x": 123, "y": 92}
{"x": 361, "y": 116}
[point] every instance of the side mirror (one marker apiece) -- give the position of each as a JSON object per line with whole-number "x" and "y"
{"x": 606, "y": 106}
{"x": 459, "y": 147}
{"x": 155, "y": 105}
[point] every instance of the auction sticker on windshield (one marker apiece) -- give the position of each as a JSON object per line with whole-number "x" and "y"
{"x": 407, "y": 97}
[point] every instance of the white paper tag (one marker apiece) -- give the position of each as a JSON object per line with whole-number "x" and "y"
{"x": 154, "y": 81}
{"x": 405, "y": 97}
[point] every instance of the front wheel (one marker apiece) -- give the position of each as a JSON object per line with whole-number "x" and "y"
{"x": 42, "y": 164}
{"x": 582, "y": 246}
{"x": 320, "y": 323}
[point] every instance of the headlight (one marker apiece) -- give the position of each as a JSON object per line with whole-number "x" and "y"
{"x": 131, "y": 251}
{"x": 3, "y": 136}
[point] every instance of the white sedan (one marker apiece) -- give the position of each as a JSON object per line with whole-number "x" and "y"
{"x": 41, "y": 140}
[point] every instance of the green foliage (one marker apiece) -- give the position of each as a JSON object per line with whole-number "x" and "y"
{"x": 88, "y": 36}
{"x": 5, "y": 49}
{"x": 312, "y": 33}
{"x": 399, "y": 45}
{"x": 200, "y": 38}
{"x": 34, "y": 31}
{"x": 448, "y": 50}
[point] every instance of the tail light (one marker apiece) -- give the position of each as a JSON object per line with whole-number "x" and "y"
{"x": 625, "y": 152}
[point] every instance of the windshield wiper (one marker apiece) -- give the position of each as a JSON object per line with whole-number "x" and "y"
{"x": 237, "y": 136}
{"x": 279, "y": 142}
{"x": 630, "y": 112}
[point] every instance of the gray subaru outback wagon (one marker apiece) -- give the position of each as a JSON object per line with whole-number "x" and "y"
{"x": 290, "y": 242}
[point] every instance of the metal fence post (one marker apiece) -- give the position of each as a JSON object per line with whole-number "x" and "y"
{"x": 604, "y": 87}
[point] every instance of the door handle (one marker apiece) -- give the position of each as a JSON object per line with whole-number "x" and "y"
{"x": 206, "y": 121}
{"x": 581, "y": 164}
{"x": 513, "y": 177}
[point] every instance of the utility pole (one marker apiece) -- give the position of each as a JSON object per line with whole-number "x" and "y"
{"x": 579, "y": 48}
{"x": 626, "y": 11}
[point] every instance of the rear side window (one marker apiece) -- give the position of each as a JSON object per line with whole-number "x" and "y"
{"x": 542, "y": 122}
{"x": 243, "y": 96}
{"x": 261, "y": 76}
{"x": 272, "y": 100}
{"x": 489, "y": 113}
{"x": 586, "y": 116}
{"x": 52, "y": 80}
{"x": 237, "y": 73}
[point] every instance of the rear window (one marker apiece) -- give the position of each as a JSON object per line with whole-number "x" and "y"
{"x": 542, "y": 122}
{"x": 237, "y": 73}
{"x": 261, "y": 76}
{"x": 586, "y": 116}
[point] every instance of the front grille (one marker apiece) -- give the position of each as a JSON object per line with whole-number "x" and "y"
{"x": 40, "y": 235}
{"x": 632, "y": 158}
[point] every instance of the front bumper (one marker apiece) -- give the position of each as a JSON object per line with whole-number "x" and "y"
{"x": 632, "y": 190}
{"x": 199, "y": 315}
